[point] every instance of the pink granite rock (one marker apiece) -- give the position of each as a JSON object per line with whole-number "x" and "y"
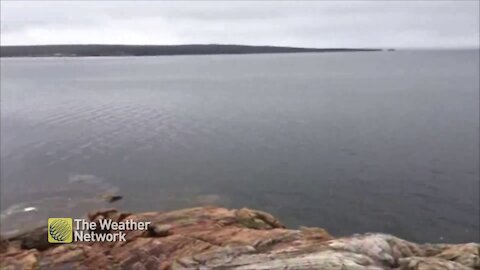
{"x": 219, "y": 238}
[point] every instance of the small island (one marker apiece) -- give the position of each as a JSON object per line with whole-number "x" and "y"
{"x": 154, "y": 50}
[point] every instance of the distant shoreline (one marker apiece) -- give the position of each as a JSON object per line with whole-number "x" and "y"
{"x": 157, "y": 50}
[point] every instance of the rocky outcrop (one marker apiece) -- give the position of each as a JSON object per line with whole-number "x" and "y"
{"x": 219, "y": 238}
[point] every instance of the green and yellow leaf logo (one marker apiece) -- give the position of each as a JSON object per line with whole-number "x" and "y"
{"x": 60, "y": 230}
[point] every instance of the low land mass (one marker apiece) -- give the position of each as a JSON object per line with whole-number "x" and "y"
{"x": 151, "y": 50}
{"x": 220, "y": 238}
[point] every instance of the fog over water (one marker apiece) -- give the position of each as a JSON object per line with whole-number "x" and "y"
{"x": 352, "y": 142}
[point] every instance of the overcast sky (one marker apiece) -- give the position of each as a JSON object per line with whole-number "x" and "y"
{"x": 308, "y": 24}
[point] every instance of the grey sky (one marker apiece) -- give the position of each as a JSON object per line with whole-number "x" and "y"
{"x": 309, "y": 24}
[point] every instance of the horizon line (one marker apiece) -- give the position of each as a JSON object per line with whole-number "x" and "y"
{"x": 247, "y": 45}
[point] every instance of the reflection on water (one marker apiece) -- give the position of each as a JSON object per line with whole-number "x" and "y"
{"x": 352, "y": 142}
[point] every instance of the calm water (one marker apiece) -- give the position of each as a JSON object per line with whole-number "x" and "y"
{"x": 353, "y": 142}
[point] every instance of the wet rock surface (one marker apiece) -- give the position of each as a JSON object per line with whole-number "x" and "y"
{"x": 219, "y": 238}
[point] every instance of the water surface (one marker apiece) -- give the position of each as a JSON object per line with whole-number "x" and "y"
{"x": 352, "y": 142}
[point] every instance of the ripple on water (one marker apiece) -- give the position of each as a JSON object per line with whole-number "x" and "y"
{"x": 76, "y": 197}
